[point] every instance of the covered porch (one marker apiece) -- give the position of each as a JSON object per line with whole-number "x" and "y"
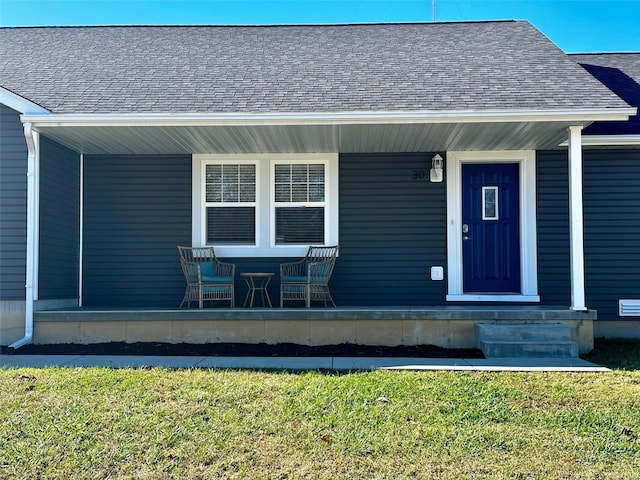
{"x": 400, "y": 320}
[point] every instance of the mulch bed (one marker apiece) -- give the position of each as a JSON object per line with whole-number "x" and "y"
{"x": 248, "y": 350}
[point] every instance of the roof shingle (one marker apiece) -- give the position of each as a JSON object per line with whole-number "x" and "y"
{"x": 621, "y": 73}
{"x": 331, "y": 68}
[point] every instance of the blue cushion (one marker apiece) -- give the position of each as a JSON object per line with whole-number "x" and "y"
{"x": 294, "y": 279}
{"x": 208, "y": 274}
{"x": 207, "y": 269}
{"x": 217, "y": 279}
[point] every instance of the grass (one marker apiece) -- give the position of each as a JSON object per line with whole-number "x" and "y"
{"x": 205, "y": 424}
{"x": 619, "y": 354}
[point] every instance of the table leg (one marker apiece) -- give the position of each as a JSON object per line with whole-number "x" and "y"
{"x": 254, "y": 284}
{"x": 249, "y": 282}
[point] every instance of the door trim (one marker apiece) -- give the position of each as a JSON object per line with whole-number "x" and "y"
{"x": 528, "y": 244}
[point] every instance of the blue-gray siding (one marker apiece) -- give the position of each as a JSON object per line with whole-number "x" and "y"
{"x": 13, "y": 206}
{"x": 59, "y": 221}
{"x": 137, "y": 210}
{"x": 553, "y": 228}
{"x": 392, "y": 230}
{"x": 611, "y": 228}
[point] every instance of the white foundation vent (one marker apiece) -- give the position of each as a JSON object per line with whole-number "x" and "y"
{"x": 629, "y": 308}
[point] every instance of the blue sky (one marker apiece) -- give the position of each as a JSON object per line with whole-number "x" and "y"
{"x": 574, "y": 25}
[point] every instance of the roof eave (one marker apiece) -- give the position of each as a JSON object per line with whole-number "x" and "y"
{"x": 608, "y": 140}
{"x": 579, "y": 115}
{"x": 20, "y": 104}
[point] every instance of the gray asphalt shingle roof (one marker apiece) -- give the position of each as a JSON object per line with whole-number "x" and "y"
{"x": 621, "y": 73}
{"x": 334, "y": 68}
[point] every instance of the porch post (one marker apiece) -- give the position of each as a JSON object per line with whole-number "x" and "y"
{"x": 576, "y": 223}
{"x": 81, "y": 235}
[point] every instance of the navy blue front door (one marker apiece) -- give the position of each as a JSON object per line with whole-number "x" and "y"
{"x": 491, "y": 228}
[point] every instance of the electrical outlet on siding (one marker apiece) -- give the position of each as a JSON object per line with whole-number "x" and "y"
{"x": 437, "y": 273}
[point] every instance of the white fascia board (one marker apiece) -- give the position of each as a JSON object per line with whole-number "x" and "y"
{"x": 20, "y": 104}
{"x": 607, "y": 140}
{"x": 330, "y": 118}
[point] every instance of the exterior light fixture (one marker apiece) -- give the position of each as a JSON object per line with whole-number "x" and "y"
{"x": 436, "y": 174}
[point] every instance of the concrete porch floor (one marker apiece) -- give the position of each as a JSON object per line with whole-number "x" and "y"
{"x": 446, "y": 326}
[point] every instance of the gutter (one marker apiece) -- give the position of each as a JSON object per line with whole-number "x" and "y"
{"x": 608, "y": 141}
{"x": 32, "y": 182}
{"x": 329, "y": 118}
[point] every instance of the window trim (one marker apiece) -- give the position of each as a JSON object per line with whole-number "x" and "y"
{"x": 496, "y": 203}
{"x": 254, "y": 204}
{"x": 265, "y": 202}
{"x": 273, "y": 204}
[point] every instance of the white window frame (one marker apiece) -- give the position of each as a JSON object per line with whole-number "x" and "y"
{"x": 265, "y": 202}
{"x": 205, "y": 204}
{"x": 496, "y": 206}
{"x": 528, "y": 237}
{"x": 274, "y": 204}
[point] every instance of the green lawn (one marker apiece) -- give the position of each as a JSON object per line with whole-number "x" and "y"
{"x": 204, "y": 424}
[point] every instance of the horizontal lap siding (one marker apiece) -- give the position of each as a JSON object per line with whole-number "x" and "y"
{"x": 392, "y": 230}
{"x": 612, "y": 228}
{"x": 137, "y": 210}
{"x": 59, "y": 221}
{"x": 13, "y": 206}
{"x": 553, "y": 228}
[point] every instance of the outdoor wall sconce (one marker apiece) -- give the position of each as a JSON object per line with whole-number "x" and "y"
{"x": 436, "y": 174}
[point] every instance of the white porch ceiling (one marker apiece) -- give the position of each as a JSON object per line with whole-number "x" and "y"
{"x": 308, "y": 138}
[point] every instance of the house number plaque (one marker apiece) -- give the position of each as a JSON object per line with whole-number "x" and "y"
{"x": 419, "y": 174}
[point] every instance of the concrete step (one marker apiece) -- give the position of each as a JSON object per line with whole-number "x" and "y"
{"x": 540, "y": 340}
{"x": 523, "y": 331}
{"x": 498, "y": 349}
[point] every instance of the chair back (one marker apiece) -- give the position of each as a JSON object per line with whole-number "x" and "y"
{"x": 321, "y": 261}
{"x": 196, "y": 254}
{"x": 203, "y": 263}
{"x": 322, "y": 254}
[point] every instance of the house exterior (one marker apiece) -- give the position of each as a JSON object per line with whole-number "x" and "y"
{"x": 264, "y": 140}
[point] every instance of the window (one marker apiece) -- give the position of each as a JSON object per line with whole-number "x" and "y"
{"x": 299, "y": 203}
{"x": 265, "y": 205}
{"x": 490, "y": 203}
{"x": 230, "y": 202}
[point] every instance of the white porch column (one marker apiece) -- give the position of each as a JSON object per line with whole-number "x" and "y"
{"x": 81, "y": 235}
{"x": 576, "y": 223}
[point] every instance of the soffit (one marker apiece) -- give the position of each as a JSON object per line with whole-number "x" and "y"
{"x": 309, "y": 138}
